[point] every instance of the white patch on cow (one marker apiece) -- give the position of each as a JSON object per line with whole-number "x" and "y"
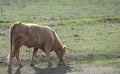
{"x": 31, "y": 24}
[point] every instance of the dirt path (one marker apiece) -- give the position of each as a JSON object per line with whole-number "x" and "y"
{"x": 79, "y": 69}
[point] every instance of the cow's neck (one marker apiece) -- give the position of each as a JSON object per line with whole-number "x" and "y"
{"x": 57, "y": 44}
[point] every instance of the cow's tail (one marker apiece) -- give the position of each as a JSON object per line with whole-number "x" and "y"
{"x": 10, "y": 35}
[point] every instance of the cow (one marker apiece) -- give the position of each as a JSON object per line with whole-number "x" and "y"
{"x": 36, "y": 37}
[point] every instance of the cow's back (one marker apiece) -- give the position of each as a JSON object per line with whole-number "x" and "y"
{"x": 32, "y": 35}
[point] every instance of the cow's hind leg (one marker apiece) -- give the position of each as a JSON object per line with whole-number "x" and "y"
{"x": 33, "y": 56}
{"x": 9, "y": 60}
{"x": 11, "y": 55}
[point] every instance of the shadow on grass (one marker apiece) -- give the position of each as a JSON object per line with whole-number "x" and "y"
{"x": 60, "y": 69}
{"x": 18, "y": 71}
{"x": 9, "y": 71}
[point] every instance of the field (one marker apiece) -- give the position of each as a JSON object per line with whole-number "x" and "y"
{"x": 89, "y": 28}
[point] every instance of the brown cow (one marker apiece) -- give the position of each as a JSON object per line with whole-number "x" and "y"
{"x": 32, "y": 35}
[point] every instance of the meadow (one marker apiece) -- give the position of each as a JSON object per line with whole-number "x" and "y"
{"x": 89, "y": 28}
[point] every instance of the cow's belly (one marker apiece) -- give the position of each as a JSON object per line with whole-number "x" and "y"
{"x": 31, "y": 44}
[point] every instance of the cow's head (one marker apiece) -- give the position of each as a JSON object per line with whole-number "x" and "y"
{"x": 60, "y": 52}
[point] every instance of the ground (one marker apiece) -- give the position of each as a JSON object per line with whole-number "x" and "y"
{"x": 76, "y": 69}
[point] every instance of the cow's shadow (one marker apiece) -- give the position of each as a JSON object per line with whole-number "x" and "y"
{"x": 59, "y": 69}
{"x": 9, "y": 71}
{"x": 18, "y": 71}
{"x": 52, "y": 70}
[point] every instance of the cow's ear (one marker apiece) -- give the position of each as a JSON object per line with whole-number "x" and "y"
{"x": 20, "y": 22}
{"x": 64, "y": 46}
{"x": 63, "y": 49}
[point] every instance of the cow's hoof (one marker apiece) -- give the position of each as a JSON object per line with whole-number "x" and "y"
{"x": 9, "y": 69}
{"x": 32, "y": 65}
{"x": 61, "y": 63}
{"x": 20, "y": 66}
{"x": 49, "y": 65}
{"x": 9, "y": 66}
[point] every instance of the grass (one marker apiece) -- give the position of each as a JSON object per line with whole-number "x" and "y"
{"x": 99, "y": 62}
{"x": 55, "y": 10}
{"x": 90, "y": 27}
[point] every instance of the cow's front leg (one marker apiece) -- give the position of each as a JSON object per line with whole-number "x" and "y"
{"x": 33, "y": 56}
{"x": 47, "y": 52}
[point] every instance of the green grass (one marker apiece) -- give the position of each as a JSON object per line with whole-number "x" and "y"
{"x": 98, "y": 62}
{"x": 84, "y": 26}
{"x": 34, "y": 11}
